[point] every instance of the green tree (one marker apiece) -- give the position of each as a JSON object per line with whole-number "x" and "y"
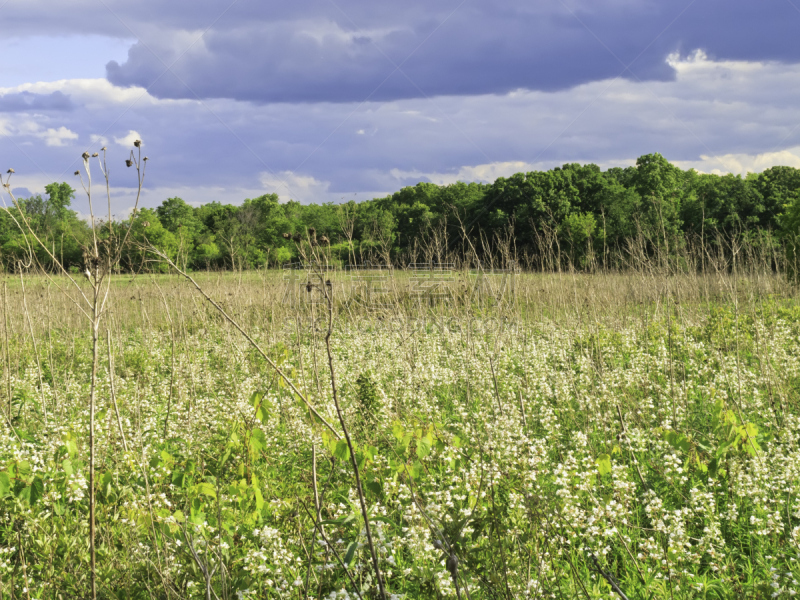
{"x": 146, "y": 229}
{"x": 660, "y": 186}
{"x": 777, "y": 187}
{"x": 789, "y": 221}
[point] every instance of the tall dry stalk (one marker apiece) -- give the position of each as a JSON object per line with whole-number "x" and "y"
{"x": 100, "y": 256}
{"x": 326, "y": 288}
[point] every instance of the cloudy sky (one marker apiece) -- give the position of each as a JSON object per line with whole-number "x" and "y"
{"x": 324, "y": 100}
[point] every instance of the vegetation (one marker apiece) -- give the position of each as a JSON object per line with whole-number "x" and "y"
{"x": 589, "y": 215}
{"x": 625, "y": 426}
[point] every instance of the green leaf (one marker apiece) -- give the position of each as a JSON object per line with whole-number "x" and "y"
{"x": 258, "y": 441}
{"x": 748, "y": 433}
{"x": 604, "y": 464}
{"x": 751, "y": 429}
{"x": 342, "y": 451}
{"x": 206, "y": 489}
{"x": 678, "y": 441}
{"x": 371, "y": 452}
{"x": 398, "y": 466}
{"x": 72, "y": 448}
{"x": 224, "y": 458}
{"x": 374, "y": 487}
{"x": 23, "y": 469}
{"x": 32, "y": 492}
{"x": 259, "y": 498}
{"x": 101, "y": 415}
{"x": 351, "y": 552}
{"x": 345, "y": 520}
{"x": 66, "y": 464}
{"x": 361, "y": 459}
{"x": 107, "y": 484}
{"x": 397, "y": 430}
{"x": 262, "y": 414}
{"x": 179, "y": 478}
{"x": 417, "y": 470}
{"x": 424, "y": 445}
{"x": 25, "y": 494}
{"x": 5, "y": 484}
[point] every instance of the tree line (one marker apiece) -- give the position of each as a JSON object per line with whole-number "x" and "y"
{"x": 582, "y": 210}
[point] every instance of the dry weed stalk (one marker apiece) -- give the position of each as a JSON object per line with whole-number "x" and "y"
{"x": 100, "y": 256}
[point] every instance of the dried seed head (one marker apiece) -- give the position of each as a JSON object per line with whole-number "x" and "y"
{"x": 103, "y": 149}
{"x": 324, "y": 240}
{"x": 287, "y": 236}
{"x": 137, "y": 143}
{"x": 85, "y": 156}
{"x": 312, "y": 231}
{"x": 128, "y": 162}
{"x": 452, "y": 564}
{"x": 94, "y": 155}
{"x": 145, "y": 159}
{"x": 77, "y": 172}
{"x": 309, "y": 287}
{"x": 10, "y": 171}
{"x": 146, "y": 224}
{"x": 296, "y": 238}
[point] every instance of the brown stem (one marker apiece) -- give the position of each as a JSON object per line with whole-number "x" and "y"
{"x": 253, "y": 343}
{"x": 8, "y": 349}
{"x": 334, "y": 388}
{"x": 92, "y": 395}
{"x": 114, "y": 391}
{"x": 35, "y": 346}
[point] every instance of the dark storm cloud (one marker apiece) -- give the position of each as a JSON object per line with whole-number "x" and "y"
{"x": 345, "y": 50}
{"x": 29, "y": 102}
{"x": 317, "y": 52}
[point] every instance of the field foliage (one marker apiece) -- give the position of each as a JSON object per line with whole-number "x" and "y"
{"x": 581, "y": 436}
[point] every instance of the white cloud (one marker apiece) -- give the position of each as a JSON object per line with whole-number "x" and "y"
{"x": 98, "y": 140}
{"x": 485, "y": 173}
{"x": 742, "y": 164}
{"x": 28, "y": 127}
{"x": 291, "y": 186}
{"x": 57, "y": 137}
{"x": 92, "y": 93}
{"x": 127, "y": 140}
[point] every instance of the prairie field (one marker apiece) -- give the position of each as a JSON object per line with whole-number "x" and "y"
{"x": 513, "y": 435}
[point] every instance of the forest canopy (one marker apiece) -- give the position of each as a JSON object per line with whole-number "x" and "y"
{"x": 581, "y": 208}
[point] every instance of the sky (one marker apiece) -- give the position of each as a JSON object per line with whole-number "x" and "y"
{"x": 332, "y": 100}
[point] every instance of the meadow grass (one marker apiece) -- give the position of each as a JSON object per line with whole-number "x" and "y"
{"x": 586, "y": 436}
